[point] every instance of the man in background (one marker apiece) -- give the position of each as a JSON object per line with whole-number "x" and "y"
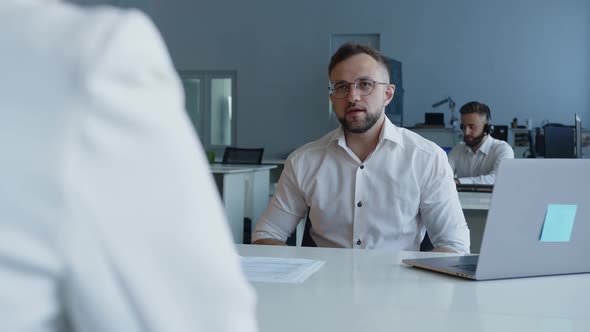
{"x": 476, "y": 159}
{"x": 109, "y": 219}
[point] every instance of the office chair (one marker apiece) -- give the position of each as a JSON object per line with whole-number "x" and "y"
{"x": 306, "y": 240}
{"x": 233, "y": 155}
{"x": 500, "y": 132}
{"x": 426, "y": 245}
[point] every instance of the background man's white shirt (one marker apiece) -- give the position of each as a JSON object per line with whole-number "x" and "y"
{"x": 479, "y": 167}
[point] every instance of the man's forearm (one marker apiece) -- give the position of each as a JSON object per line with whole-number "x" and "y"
{"x": 271, "y": 242}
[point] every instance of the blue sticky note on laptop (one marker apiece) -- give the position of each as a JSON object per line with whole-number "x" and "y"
{"x": 559, "y": 222}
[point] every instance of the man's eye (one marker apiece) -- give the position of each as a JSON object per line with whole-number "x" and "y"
{"x": 365, "y": 84}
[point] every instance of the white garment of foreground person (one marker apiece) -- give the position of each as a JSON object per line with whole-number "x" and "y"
{"x": 109, "y": 219}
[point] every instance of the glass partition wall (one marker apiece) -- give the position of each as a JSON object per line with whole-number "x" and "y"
{"x": 210, "y": 104}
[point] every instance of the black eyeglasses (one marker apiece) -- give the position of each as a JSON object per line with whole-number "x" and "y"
{"x": 363, "y": 85}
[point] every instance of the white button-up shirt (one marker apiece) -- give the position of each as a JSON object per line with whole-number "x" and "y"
{"x": 479, "y": 167}
{"x": 402, "y": 189}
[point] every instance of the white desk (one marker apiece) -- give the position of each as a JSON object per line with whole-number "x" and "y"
{"x": 244, "y": 190}
{"x": 372, "y": 291}
{"x": 475, "y": 208}
{"x": 276, "y": 161}
{"x": 475, "y": 201}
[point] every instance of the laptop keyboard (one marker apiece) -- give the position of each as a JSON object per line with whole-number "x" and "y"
{"x": 466, "y": 267}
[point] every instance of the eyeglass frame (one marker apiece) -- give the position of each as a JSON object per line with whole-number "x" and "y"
{"x": 331, "y": 86}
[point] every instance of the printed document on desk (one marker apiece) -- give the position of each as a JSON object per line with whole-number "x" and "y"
{"x": 276, "y": 269}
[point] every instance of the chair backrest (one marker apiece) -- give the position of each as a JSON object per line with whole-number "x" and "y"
{"x": 233, "y": 155}
{"x": 306, "y": 239}
{"x": 426, "y": 245}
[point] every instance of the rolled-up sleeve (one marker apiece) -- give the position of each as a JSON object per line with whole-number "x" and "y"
{"x": 287, "y": 207}
{"x": 440, "y": 208}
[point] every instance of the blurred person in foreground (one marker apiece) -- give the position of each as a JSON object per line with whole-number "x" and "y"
{"x": 109, "y": 218}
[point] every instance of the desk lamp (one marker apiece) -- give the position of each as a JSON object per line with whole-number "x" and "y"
{"x": 451, "y": 103}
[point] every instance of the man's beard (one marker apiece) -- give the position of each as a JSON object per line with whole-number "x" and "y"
{"x": 476, "y": 140}
{"x": 368, "y": 123}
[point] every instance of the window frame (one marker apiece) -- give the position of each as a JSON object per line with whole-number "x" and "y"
{"x": 203, "y": 123}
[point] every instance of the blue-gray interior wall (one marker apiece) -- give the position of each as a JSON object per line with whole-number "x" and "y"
{"x": 524, "y": 58}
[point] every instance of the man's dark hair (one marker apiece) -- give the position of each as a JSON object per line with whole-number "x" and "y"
{"x": 350, "y": 49}
{"x": 476, "y": 107}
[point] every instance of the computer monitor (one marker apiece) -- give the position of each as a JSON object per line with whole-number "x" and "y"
{"x": 434, "y": 119}
{"x": 500, "y": 132}
{"x": 578, "y": 125}
{"x": 560, "y": 141}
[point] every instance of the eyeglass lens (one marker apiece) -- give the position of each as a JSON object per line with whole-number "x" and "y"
{"x": 363, "y": 85}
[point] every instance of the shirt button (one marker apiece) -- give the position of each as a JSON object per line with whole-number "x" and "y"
{"x": 358, "y": 242}
{"x": 362, "y": 166}
{"x": 359, "y": 204}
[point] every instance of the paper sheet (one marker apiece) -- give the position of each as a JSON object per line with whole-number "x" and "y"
{"x": 276, "y": 269}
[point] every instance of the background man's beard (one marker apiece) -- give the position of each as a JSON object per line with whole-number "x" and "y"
{"x": 476, "y": 140}
{"x": 367, "y": 124}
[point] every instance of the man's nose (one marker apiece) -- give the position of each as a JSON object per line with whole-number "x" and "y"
{"x": 353, "y": 94}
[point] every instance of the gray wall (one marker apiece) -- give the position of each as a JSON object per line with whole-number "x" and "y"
{"x": 524, "y": 58}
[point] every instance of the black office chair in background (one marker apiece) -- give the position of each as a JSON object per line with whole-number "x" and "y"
{"x": 233, "y": 155}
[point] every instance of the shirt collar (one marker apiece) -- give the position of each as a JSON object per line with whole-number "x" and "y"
{"x": 389, "y": 132}
{"x": 485, "y": 146}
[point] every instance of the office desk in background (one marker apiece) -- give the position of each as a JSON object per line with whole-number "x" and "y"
{"x": 371, "y": 290}
{"x": 244, "y": 190}
{"x": 475, "y": 208}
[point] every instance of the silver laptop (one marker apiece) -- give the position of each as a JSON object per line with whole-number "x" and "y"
{"x": 538, "y": 223}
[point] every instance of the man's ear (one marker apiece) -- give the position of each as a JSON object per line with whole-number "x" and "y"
{"x": 389, "y": 92}
{"x": 331, "y": 98}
